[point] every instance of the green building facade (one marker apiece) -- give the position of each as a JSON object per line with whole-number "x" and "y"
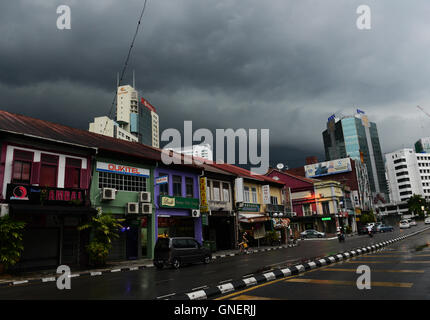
{"x": 116, "y": 188}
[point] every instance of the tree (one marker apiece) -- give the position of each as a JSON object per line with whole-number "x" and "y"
{"x": 104, "y": 228}
{"x": 367, "y": 217}
{"x": 11, "y": 240}
{"x": 416, "y": 205}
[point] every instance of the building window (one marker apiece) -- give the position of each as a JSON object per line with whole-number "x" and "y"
{"x": 21, "y": 170}
{"x": 273, "y": 200}
{"x": 246, "y": 194}
{"x": 72, "y": 177}
{"x": 254, "y": 195}
{"x": 225, "y": 192}
{"x": 164, "y": 188}
{"x": 177, "y": 186}
{"x": 122, "y": 182}
{"x": 208, "y": 191}
{"x": 216, "y": 188}
{"x": 307, "y": 210}
{"x": 48, "y": 170}
{"x": 326, "y": 207}
{"x": 189, "y": 187}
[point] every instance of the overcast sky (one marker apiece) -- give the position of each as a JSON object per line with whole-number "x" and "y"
{"x": 284, "y": 65}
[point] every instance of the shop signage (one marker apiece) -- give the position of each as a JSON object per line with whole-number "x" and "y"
{"x": 328, "y": 168}
{"x": 203, "y": 196}
{"x": 44, "y": 195}
{"x": 266, "y": 194}
{"x": 251, "y": 207}
{"x": 179, "y": 202}
{"x": 205, "y": 219}
{"x": 162, "y": 180}
{"x": 122, "y": 169}
{"x": 326, "y": 219}
{"x": 238, "y": 188}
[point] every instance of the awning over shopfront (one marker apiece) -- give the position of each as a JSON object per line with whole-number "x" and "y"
{"x": 252, "y": 217}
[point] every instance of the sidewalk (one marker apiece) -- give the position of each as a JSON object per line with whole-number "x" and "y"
{"x": 111, "y": 266}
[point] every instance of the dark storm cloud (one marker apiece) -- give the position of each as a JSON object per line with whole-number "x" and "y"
{"x": 282, "y": 65}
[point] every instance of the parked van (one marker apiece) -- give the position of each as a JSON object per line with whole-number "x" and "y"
{"x": 178, "y": 251}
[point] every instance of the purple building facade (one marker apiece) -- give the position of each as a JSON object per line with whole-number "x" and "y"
{"x": 175, "y": 201}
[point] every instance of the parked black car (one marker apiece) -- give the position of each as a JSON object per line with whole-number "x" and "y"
{"x": 177, "y": 251}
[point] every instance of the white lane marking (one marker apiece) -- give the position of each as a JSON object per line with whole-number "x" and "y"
{"x": 115, "y": 270}
{"x": 167, "y": 295}
{"x": 198, "y": 288}
{"x": 20, "y": 282}
{"x": 221, "y": 282}
{"x": 96, "y": 273}
{"x": 48, "y": 279}
{"x": 133, "y": 268}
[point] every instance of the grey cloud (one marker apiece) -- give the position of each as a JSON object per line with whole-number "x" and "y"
{"x": 282, "y": 65}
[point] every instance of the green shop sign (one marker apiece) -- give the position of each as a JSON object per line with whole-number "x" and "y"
{"x": 179, "y": 202}
{"x": 326, "y": 219}
{"x": 251, "y": 207}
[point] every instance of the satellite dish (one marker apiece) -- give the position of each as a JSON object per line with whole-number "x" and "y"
{"x": 280, "y": 166}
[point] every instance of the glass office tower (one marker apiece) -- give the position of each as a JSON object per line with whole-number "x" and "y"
{"x": 357, "y": 138}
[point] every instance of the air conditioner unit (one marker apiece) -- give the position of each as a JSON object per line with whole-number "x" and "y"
{"x": 132, "y": 207}
{"x": 4, "y": 209}
{"x": 108, "y": 194}
{"x": 293, "y": 214}
{"x": 145, "y": 196}
{"x": 146, "y": 208}
{"x": 195, "y": 213}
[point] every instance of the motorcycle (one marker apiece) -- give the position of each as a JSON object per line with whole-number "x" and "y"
{"x": 370, "y": 233}
{"x": 341, "y": 237}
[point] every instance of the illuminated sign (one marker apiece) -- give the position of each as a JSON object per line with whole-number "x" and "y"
{"x": 326, "y": 219}
{"x": 122, "y": 169}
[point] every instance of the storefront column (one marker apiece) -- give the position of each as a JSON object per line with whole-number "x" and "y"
{"x": 198, "y": 234}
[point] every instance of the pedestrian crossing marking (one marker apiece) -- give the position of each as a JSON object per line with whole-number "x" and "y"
{"x": 374, "y": 270}
{"x": 351, "y": 283}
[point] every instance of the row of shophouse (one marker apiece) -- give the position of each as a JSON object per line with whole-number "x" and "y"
{"x": 55, "y": 178}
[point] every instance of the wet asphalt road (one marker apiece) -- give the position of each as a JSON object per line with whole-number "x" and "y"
{"x": 397, "y": 272}
{"x": 152, "y": 283}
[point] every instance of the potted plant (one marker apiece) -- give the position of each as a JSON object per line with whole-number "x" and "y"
{"x": 104, "y": 228}
{"x": 11, "y": 240}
